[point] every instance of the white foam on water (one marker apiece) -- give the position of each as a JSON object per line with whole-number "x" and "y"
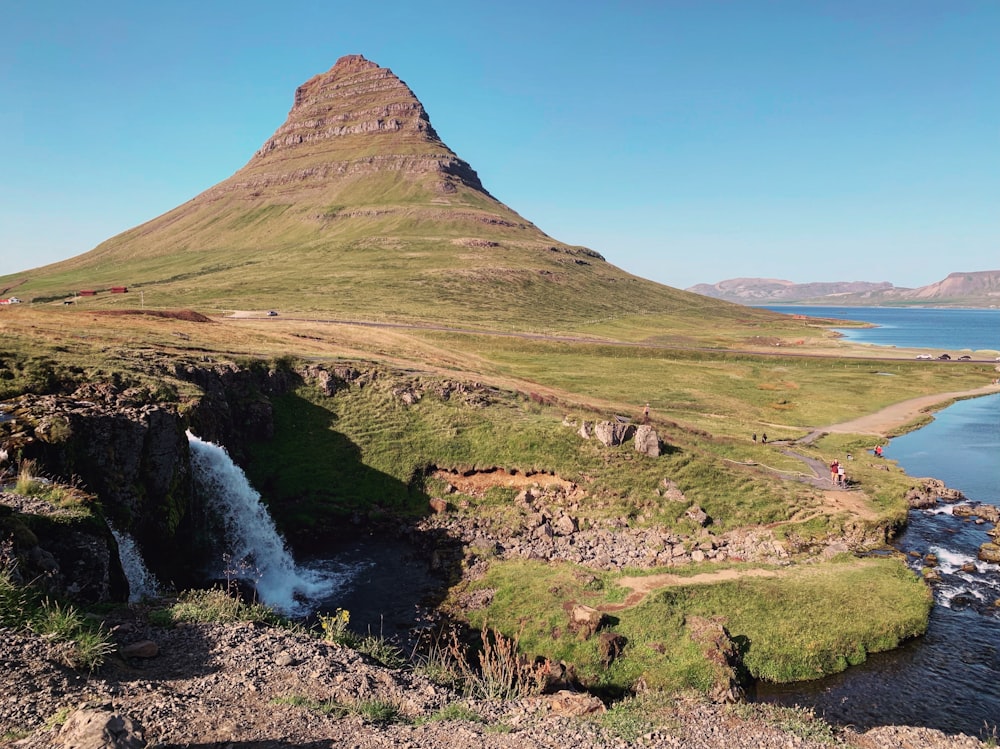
{"x": 141, "y": 582}
{"x": 255, "y": 552}
{"x": 950, "y": 561}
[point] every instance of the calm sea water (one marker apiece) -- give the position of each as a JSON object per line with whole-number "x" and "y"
{"x": 950, "y": 678}
{"x": 952, "y": 330}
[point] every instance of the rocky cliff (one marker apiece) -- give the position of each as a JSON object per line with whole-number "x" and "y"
{"x": 363, "y": 119}
{"x": 129, "y": 451}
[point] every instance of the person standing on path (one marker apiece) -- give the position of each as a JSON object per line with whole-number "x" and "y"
{"x": 834, "y": 471}
{"x": 841, "y": 475}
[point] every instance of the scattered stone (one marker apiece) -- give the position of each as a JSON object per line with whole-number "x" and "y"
{"x": 585, "y": 620}
{"x": 990, "y": 552}
{"x": 141, "y": 649}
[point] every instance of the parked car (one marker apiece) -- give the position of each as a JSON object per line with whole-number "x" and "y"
{"x": 944, "y": 356}
{"x": 924, "y": 356}
{"x": 965, "y": 357}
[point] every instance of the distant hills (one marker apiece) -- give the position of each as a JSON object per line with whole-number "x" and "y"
{"x": 976, "y": 289}
{"x": 354, "y": 208}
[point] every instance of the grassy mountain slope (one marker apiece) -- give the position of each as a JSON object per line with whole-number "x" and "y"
{"x": 354, "y": 208}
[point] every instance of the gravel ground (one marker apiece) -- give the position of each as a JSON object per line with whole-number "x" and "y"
{"x": 247, "y": 686}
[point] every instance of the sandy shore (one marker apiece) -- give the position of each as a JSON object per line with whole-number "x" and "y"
{"x": 881, "y": 423}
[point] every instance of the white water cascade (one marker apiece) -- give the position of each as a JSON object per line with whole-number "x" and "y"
{"x": 255, "y": 551}
{"x": 141, "y": 582}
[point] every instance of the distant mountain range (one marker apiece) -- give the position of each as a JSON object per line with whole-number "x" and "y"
{"x": 976, "y": 289}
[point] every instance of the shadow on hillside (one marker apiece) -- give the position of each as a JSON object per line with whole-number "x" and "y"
{"x": 315, "y": 481}
{"x": 338, "y": 512}
{"x": 183, "y": 653}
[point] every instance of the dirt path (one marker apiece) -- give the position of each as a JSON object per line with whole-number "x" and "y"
{"x": 643, "y": 585}
{"x": 882, "y": 422}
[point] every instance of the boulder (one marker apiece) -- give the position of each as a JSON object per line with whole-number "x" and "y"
{"x": 438, "y": 505}
{"x": 89, "y": 728}
{"x": 990, "y": 552}
{"x": 611, "y": 645}
{"x": 575, "y": 704}
{"x": 698, "y": 515}
{"x": 647, "y": 442}
{"x": 585, "y": 620}
{"x": 928, "y": 493}
{"x": 612, "y": 433}
{"x": 565, "y": 526}
{"x": 719, "y": 648}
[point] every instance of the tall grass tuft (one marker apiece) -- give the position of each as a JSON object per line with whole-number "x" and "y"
{"x": 215, "y": 605}
{"x": 73, "y": 640}
{"x": 503, "y": 673}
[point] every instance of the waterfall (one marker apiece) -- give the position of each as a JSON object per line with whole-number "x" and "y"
{"x": 254, "y": 550}
{"x": 141, "y": 582}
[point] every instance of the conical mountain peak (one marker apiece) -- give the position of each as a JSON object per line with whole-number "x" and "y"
{"x": 356, "y": 117}
{"x": 354, "y": 208}
{"x": 354, "y": 97}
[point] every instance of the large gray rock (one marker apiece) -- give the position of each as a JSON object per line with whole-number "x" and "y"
{"x": 612, "y": 433}
{"x": 647, "y": 441}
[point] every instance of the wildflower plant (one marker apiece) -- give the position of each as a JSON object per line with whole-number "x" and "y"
{"x": 335, "y": 625}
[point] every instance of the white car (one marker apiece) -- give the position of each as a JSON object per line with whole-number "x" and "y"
{"x": 924, "y": 356}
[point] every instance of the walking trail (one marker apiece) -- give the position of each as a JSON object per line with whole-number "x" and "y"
{"x": 835, "y": 499}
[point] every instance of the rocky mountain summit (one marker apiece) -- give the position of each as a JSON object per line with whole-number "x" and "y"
{"x": 355, "y": 101}
{"x": 970, "y": 289}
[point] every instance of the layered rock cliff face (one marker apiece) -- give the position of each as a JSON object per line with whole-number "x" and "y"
{"x": 131, "y": 453}
{"x": 333, "y": 131}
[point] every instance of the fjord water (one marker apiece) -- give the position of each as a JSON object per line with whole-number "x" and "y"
{"x": 946, "y": 330}
{"x": 950, "y": 678}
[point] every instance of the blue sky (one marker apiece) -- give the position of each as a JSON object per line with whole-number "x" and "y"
{"x": 687, "y": 142}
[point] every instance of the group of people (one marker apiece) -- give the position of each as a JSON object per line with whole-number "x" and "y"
{"x": 763, "y": 438}
{"x": 838, "y": 476}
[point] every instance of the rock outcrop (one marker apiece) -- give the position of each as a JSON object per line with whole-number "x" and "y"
{"x": 67, "y": 553}
{"x": 128, "y": 449}
{"x": 355, "y": 97}
{"x": 612, "y": 433}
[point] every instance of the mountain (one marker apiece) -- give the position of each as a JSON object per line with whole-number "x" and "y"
{"x": 975, "y": 289}
{"x": 355, "y": 208}
{"x": 775, "y": 291}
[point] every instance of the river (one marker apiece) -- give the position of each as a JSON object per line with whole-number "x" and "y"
{"x": 950, "y": 678}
